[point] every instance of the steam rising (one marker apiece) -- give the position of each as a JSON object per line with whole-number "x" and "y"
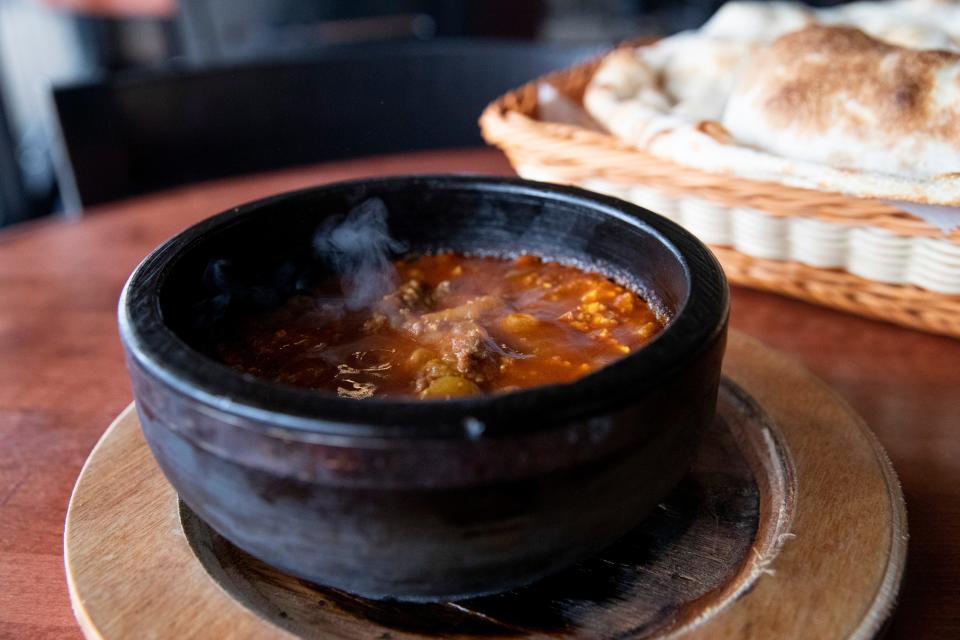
{"x": 358, "y": 246}
{"x": 232, "y": 286}
{"x": 355, "y": 247}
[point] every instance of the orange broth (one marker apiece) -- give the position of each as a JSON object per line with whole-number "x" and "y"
{"x": 455, "y": 326}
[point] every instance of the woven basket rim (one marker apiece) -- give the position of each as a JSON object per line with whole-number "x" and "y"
{"x": 510, "y": 123}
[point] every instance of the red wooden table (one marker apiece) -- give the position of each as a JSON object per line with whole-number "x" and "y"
{"x": 62, "y": 381}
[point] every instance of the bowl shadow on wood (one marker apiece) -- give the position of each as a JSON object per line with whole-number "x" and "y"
{"x": 697, "y": 550}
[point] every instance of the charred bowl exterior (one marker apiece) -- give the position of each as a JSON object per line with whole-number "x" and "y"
{"x": 428, "y": 500}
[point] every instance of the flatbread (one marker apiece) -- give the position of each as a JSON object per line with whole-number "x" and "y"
{"x": 875, "y": 120}
{"x": 918, "y": 24}
{"x": 757, "y": 21}
{"x": 836, "y": 96}
{"x": 640, "y": 92}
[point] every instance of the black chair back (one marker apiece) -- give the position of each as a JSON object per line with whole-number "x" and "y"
{"x": 134, "y": 135}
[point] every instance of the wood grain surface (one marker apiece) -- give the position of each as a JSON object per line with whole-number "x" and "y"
{"x": 62, "y": 380}
{"x": 789, "y": 525}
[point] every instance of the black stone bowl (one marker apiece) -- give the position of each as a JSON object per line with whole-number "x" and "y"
{"x": 424, "y": 500}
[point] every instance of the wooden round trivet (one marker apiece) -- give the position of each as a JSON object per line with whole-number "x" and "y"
{"x": 791, "y": 524}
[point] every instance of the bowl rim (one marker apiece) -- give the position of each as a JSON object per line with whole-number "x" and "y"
{"x": 153, "y": 346}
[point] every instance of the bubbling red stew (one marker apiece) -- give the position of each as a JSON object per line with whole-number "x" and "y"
{"x": 455, "y": 326}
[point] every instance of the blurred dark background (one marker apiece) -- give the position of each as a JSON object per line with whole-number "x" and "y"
{"x": 106, "y": 99}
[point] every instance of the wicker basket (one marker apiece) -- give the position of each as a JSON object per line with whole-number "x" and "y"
{"x": 862, "y": 256}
